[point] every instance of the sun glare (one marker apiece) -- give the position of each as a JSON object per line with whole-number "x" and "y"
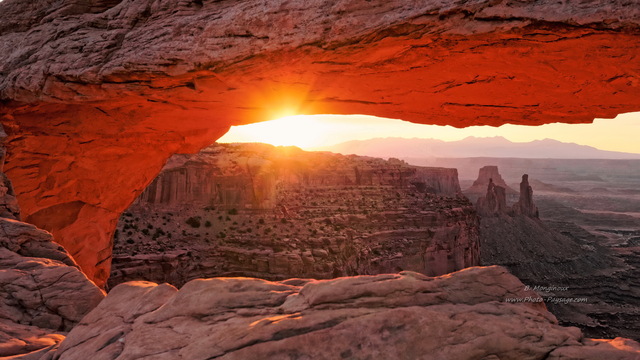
{"x": 302, "y": 131}
{"x": 310, "y": 132}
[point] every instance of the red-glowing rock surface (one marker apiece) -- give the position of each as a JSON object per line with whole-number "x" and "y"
{"x": 464, "y": 315}
{"x": 96, "y": 95}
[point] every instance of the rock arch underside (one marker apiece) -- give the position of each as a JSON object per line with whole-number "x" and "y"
{"x": 97, "y": 94}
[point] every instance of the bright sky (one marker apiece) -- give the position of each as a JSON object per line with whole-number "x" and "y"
{"x": 308, "y": 131}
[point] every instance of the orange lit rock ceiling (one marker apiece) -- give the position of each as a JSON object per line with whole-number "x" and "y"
{"x": 97, "y": 94}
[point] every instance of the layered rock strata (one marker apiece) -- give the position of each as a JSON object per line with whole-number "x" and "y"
{"x": 275, "y": 213}
{"x": 471, "y": 314}
{"x": 96, "y": 95}
{"x": 488, "y": 175}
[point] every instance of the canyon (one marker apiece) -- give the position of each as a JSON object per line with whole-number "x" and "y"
{"x": 279, "y": 212}
{"x": 560, "y": 254}
{"x": 91, "y": 90}
{"x": 369, "y": 216}
{"x": 97, "y": 95}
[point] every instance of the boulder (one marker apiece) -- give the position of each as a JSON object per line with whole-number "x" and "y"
{"x": 476, "y": 313}
{"x": 43, "y": 294}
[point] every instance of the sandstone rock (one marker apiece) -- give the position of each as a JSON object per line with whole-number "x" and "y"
{"x": 8, "y": 203}
{"x": 525, "y": 205}
{"x": 18, "y": 339}
{"x": 220, "y": 213}
{"x": 41, "y": 297}
{"x": 246, "y": 175}
{"x": 494, "y": 203}
{"x": 43, "y": 292}
{"x": 111, "y": 78}
{"x": 29, "y": 241}
{"x": 595, "y": 349}
{"x": 592, "y": 287}
{"x": 486, "y": 175}
{"x": 464, "y": 315}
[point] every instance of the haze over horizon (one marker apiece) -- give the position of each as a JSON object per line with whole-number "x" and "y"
{"x": 311, "y": 132}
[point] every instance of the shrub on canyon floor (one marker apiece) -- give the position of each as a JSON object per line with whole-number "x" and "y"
{"x": 193, "y": 221}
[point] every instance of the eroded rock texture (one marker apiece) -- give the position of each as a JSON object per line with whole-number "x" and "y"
{"x": 486, "y": 175}
{"x": 96, "y": 95}
{"x": 464, "y": 315}
{"x": 494, "y": 203}
{"x": 43, "y": 293}
{"x": 525, "y": 205}
{"x": 591, "y": 286}
{"x": 280, "y": 212}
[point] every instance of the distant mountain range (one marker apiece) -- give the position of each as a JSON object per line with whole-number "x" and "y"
{"x": 495, "y": 147}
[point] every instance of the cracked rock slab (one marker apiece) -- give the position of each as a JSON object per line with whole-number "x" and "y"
{"x": 463, "y": 315}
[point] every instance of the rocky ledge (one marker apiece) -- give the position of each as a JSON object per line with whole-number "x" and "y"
{"x": 469, "y": 314}
{"x": 43, "y": 294}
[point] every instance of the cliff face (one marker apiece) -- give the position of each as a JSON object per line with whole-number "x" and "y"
{"x": 494, "y": 203}
{"x": 525, "y": 205}
{"x": 489, "y": 174}
{"x": 247, "y": 176}
{"x": 96, "y": 95}
{"x": 257, "y": 210}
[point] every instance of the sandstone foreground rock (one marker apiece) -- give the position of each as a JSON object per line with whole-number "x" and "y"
{"x": 43, "y": 294}
{"x": 464, "y": 315}
{"x": 96, "y": 95}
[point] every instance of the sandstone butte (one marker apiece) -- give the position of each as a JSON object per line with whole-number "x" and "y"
{"x": 95, "y": 95}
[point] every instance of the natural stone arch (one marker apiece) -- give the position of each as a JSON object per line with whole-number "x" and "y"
{"x": 96, "y": 95}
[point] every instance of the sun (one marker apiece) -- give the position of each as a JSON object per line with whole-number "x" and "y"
{"x": 298, "y": 130}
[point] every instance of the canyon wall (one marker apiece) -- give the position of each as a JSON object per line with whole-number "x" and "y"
{"x": 221, "y": 175}
{"x": 96, "y": 95}
{"x": 279, "y": 212}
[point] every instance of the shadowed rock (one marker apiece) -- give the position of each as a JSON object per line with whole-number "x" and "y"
{"x": 486, "y": 175}
{"x": 525, "y": 205}
{"x": 494, "y": 203}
